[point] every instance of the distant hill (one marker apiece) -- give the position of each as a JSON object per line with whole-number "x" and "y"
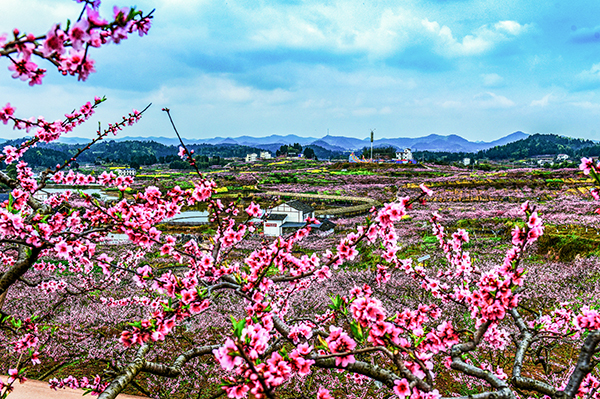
{"x": 125, "y": 152}
{"x": 528, "y": 147}
{"x": 432, "y": 142}
{"x": 509, "y": 139}
{"x": 540, "y": 144}
{"x": 324, "y": 144}
{"x": 437, "y": 148}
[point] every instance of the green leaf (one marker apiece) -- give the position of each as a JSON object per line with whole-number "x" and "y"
{"x": 136, "y": 324}
{"x": 238, "y": 326}
{"x": 357, "y": 331}
{"x": 11, "y": 201}
{"x": 336, "y": 302}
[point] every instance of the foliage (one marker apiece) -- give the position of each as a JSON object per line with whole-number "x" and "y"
{"x": 532, "y": 146}
{"x": 379, "y": 152}
{"x": 47, "y": 155}
{"x": 309, "y": 153}
{"x": 289, "y": 150}
{"x": 537, "y": 144}
{"x": 324, "y": 153}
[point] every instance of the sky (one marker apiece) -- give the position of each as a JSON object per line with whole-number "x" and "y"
{"x": 479, "y": 69}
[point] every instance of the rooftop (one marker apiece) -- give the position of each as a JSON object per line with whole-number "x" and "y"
{"x": 301, "y": 206}
{"x": 276, "y": 216}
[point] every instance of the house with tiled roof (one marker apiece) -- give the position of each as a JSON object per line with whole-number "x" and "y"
{"x": 290, "y": 216}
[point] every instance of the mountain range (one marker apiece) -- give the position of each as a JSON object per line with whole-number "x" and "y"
{"x": 433, "y": 142}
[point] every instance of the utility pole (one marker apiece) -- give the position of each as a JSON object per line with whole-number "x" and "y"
{"x": 372, "y": 134}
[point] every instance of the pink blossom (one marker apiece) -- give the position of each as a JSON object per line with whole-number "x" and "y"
{"x": 54, "y": 42}
{"x": 237, "y": 391}
{"x": 401, "y": 388}
{"x": 254, "y": 210}
{"x": 13, "y": 375}
{"x": 426, "y": 190}
{"x": 587, "y": 164}
{"x": 323, "y": 393}
{"x": 6, "y": 113}
{"x": 79, "y": 34}
{"x": 340, "y": 342}
{"x": 94, "y": 17}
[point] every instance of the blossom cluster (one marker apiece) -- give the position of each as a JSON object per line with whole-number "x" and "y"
{"x": 68, "y": 48}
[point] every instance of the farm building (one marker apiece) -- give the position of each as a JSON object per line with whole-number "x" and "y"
{"x": 291, "y": 216}
{"x": 405, "y": 155}
{"x": 126, "y": 172}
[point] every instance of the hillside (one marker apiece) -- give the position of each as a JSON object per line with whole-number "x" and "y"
{"x": 125, "y": 152}
{"x": 432, "y": 142}
{"x": 538, "y": 144}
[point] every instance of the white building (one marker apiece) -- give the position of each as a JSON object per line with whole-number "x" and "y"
{"x": 466, "y": 161}
{"x": 251, "y": 157}
{"x": 289, "y": 215}
{"x": 405, "y": 155}
{"x": 265, "y": 155}
{"x": 126, "y": 172}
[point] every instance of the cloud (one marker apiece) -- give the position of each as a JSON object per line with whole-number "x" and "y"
{"x": 446, "y": 44}
{"x": 492, "y": 80}
{"x": 587, "y": 105}
{"x": 588, "y": 79}
{"x": 543, "y": 102}
{"x": 480, "y": 41}
{"x": 511, "y": 27}
{"x": 490, "y": 100}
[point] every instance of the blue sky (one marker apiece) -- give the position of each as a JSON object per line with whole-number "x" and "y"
{"x": 479, "y": 69}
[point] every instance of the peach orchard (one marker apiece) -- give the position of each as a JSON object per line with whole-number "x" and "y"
{"x": 215, "y": 324}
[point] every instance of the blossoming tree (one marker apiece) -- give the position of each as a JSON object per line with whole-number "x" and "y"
{"x": 173, "y": 319}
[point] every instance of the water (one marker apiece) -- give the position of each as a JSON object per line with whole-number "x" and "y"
{"x": 190, "y": 217}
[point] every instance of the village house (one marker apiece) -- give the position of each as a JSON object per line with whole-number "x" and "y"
{"x": 543, "y": 159}
{"x": 126, "y": 172}
{"x": 292, "y": 216}
{"x": 251, "y": 157}
{"x": 405, "y": 155}
{"x": 265, "y": 155}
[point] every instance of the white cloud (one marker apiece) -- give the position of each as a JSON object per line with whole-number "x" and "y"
{"x": 511, "y": 27}
{"x": 394, "y": 31}
{"x": 378, "y": 32}
{"x": 587, "y": 105}
{"x": 446, "y": 43}
{"x": 491, "y": 100}
{"x": 589, "y": 79}
{"x": 289, "y": 31}
{"x": 593, "y": 72}
{"x": 492, "y": 80}
{"x": 482, "y": 40}
{"x": 543, "y": 102}
{"x": 36, "y": 16}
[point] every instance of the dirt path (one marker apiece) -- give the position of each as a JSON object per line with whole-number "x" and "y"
{"x": 32, "y": 389}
